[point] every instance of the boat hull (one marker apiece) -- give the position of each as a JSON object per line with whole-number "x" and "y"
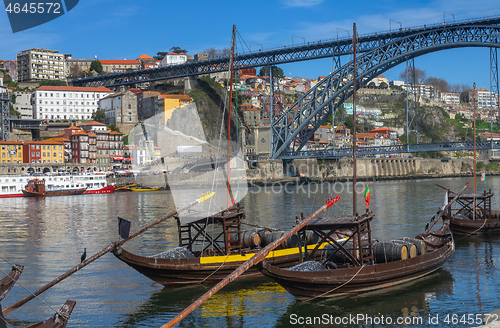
{"x": 105, "y": 190}
{"x": 307, "y": 285}
{"x": 192, "y": 271}
{"x": 54, "y": 193}
{"x": 469, "y": 227}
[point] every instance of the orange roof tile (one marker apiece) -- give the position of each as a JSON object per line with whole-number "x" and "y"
{"x": 144, "y": 56}
{"x": 119, "y": 61}
{"x": 95, "y": 123}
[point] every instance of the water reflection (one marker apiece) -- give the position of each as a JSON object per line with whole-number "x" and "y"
{"x": 48, "y": 237}
{"x": 408, "y": 300}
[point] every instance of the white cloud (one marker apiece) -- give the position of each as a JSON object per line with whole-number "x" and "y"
{"x": 301, "y": 3}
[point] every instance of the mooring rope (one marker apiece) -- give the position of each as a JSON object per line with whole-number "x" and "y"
{"x": 334, "y": 289}
{"x": 50, "y": 307}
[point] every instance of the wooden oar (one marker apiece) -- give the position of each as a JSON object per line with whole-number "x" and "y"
{"x": 106, "y": 250}
{"x": 252, "y": 261}
{"x": 446, "y": 207}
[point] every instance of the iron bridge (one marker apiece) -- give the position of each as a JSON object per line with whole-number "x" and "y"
{"x": 333, "y": 48}
{"x": 395, "y": 149}
{"x": 291, "y": 131}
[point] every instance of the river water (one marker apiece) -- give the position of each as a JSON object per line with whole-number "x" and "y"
{"x": 48, "y": 235}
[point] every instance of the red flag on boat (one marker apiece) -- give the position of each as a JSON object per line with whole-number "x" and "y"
{"x": 367, "y": 196}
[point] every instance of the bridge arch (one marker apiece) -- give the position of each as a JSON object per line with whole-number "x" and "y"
{"x": 297, "y": 125}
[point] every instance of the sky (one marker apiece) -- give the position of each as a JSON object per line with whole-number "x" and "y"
{"x": 125, "y": 29}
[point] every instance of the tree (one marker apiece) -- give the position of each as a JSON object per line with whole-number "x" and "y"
{"x": 383, "y": 85}
{"x": 113, "y": 127}
{"x": 214, "y": 53}
{"x": 438, "y": 83}
{"x": 98, "y": 115}
{"x": 178, "y": 50}
{"x": 420, "y": 75}
{"x": 75, "y": 71}
{"x": 275, "y": 69}
{"x": 96, "y": 65}
{"x": 160, "y": 55}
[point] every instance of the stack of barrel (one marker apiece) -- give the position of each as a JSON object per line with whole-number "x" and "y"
{"x": 268, "y": 237}
{"x": 398, "y": 249}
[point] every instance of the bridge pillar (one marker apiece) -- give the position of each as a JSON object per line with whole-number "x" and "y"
{"x": 190, "y": 83}
{"x": 5, "y": 115}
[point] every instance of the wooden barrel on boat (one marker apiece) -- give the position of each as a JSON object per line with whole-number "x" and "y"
{"x": 495, "y": 214}
{"x": 311, "y": 237}
{"x": 421, "y": 245}
{"x": 262, "y": 234}
{"x": 412, "y": 248}
{"x": 335, "y": 256}
{"x": 291, "y": 242}
{"x": 386, "y": 251}
{"x": 249, "y": 239}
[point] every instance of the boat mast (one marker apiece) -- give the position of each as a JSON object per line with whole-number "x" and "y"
{"x": 475, "y": 178}
{"x": 354, "y": 136}
{"x": 229, "y": 120}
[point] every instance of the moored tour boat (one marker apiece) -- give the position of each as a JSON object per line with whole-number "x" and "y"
{"x": 95, "y": 183}
{"x": 36, "y": 188}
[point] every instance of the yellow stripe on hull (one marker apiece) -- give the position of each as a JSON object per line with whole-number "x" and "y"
{"x": 237, "y": 257}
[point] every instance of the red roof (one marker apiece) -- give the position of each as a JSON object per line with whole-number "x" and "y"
{"x": 118, "y": 61}
{"x": 144, "y": 56}
{"x": 81, "y": 89}
{"x": 94, "y": 123}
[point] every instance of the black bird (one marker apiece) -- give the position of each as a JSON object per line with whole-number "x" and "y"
{"x": 84, "y": 255}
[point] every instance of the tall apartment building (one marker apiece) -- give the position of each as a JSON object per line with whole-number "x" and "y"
{"x": 120, "y": 107}
{"x": 450, "y": 97}
{"x": 40, "y": 64}
{"x": 62, "y": 103}
{"x": 484, "y": 98}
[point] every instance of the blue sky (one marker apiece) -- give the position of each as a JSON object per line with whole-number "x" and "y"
{"x": 118, "y": 29}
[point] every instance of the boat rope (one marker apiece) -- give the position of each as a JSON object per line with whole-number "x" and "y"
{"x": 50, "y": 307}
{"x": 345, "y": 283}
{"x": 6, "y": 261}
{"x": 481, "y": 227}
{"x": 223, "y": 262}
{"x": 3, "y": 319}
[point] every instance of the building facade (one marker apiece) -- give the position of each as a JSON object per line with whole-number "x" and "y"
{"x": 39, "y": 65}
{"x": 10, "y": 67}
{"x": 120, "y": 107}
{"x": 23, "y": 104}
{"x": 63, "y": 103}
{"x": 174, "y": 59}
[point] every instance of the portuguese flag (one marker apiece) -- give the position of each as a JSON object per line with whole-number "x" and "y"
{"x": 367, "y": 196}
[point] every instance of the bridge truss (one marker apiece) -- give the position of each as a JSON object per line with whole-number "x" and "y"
{"x": 269, "y": 57}
{"x": 297, "y": 125}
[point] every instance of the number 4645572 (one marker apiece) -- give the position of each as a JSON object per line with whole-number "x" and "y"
{"x": 34, "y": 8}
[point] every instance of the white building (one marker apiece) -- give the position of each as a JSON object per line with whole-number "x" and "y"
{"x": 173, "y": 59}
{"x": 40, "y": 64}
{"x": 424, "y": 90}
{"x": 23, "y": 104}
{"x": 66, "y": 103}
{"x": 450, "y": 97}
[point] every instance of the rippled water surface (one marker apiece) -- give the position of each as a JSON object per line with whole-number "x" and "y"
{"x": 48, "y": 235}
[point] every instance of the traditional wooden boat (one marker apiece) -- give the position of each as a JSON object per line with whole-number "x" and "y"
{"x": 465, "y": 221}
{"x": 203, "y": 258}
{"x": 362, "y": 266}
{"x": 144, "y": 188}
{"x": 9, "y": 281}
{"x": 59, "y": 319}
{"x": 36, "y": 188}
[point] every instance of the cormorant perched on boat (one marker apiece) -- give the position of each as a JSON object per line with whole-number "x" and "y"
{"x": 84, "y": 255}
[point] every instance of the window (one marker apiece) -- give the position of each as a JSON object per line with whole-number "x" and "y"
{"x": 43, "y": 154}
{"x": 37, "y": 154}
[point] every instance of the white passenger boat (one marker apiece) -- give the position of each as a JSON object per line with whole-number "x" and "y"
{"x": 12, "y": 185}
